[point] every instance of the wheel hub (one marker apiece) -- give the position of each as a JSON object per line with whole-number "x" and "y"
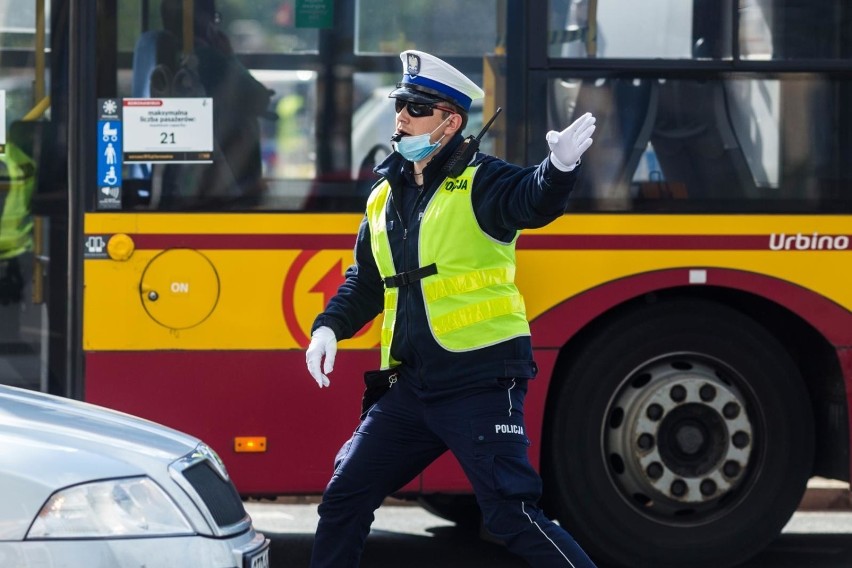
{"x": 692, "y": 439}
{"x": 689, "y": 439}
{"x": 679, "y": 438}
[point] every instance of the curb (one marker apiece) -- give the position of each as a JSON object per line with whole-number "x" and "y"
{"x": 826, "y": 495}
{"x": 821, "y": 495}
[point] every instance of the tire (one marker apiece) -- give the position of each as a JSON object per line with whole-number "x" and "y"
{"x": 460, "y": 509}
{"x": 682, "y": 435}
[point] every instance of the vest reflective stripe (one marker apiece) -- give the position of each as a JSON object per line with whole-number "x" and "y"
{"x": 388, "y": 321}
{"x": 472, "y": 302}
{"x": 469, "y": 315}
{"x": 376, "y": 205}
{"x": 468, "y": 282}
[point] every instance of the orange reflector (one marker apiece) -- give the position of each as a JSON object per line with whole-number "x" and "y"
{"x": 250, "y": 444}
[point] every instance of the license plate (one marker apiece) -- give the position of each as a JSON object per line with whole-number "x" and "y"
{"x": 257, "y": 558}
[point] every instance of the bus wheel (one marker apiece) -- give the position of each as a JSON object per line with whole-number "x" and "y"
{"x": 681, "y": 435}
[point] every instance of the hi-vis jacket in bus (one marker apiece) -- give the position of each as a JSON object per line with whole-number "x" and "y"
{"x": 436, "y": 353}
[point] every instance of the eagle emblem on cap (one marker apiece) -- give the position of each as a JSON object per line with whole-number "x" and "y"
{"x": 413, "y": 64}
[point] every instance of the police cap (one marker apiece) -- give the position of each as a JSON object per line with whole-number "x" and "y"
{"x": 427, "y": 79}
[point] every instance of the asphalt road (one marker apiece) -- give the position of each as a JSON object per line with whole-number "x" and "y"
{"x": 411, "y": 537}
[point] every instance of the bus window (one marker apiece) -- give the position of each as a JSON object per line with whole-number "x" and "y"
{"x": 733, "y": 143}
{"x": 16, "y": 24}
{"x": 196, "y": 59}
{"x": 423, "y": 25}
{"x": 267, "y": 26}
{"x": 289, "y": 133}
{"x": 791, "y": 29}
{"x": 701, "y": 29}
{"x": 668, "y": 29}
{"x": 260, "y": 26}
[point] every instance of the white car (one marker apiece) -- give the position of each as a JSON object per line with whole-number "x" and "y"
{"x": 83, "y": 486}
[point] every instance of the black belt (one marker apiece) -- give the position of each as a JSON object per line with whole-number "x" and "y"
{"x": 406, "y": 278}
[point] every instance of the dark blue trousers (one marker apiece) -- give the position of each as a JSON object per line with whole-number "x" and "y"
{"x": 402, "y": 434}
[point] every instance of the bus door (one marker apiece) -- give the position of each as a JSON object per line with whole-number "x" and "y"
{"x": 25, "y": 222}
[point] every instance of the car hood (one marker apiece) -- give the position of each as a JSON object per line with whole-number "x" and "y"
{"x": 48, "y": 443}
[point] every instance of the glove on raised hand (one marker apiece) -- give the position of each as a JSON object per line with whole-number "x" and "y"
{"x": 567, "y": 146}
{"x": 323, "y": 344}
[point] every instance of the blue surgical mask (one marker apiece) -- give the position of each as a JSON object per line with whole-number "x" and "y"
{"x": 416, "y": 148}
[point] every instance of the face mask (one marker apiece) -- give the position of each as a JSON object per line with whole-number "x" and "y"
{"x": 416, "y": 148}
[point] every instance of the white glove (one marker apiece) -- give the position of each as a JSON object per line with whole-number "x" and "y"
{"x": 323, "y": 344}
{"x": 567, "y": 146}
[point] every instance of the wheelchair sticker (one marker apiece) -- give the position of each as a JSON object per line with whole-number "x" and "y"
{"x": 109, "y": 153}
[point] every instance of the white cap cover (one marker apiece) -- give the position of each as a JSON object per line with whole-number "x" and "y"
{"x": 425, "y": 74}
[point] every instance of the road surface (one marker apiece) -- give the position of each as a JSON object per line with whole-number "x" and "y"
{"x": 405, "y": 535}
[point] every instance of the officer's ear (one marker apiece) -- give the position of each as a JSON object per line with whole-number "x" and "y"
{"x": 454, "y": 123}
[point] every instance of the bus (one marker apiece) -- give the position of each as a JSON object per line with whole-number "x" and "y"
{"x": 181, "y": 183}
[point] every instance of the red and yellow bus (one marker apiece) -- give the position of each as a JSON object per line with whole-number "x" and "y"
{"x": 188, "y": 214}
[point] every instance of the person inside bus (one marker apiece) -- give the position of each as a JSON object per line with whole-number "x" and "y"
{"x": 239, "y": 100}
{"x": 16, "y": 253}
{"x": 436, "y": 251}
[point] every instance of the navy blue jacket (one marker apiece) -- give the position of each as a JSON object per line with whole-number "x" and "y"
{"x": 505, "y": 198}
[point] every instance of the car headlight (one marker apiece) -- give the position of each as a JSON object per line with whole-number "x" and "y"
{"x": 134, "y": 506}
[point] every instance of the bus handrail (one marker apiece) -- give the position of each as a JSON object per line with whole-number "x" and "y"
{"x": 38, "y": 110}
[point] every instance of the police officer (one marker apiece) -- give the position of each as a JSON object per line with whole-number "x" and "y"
{"x": 436, "y": 254}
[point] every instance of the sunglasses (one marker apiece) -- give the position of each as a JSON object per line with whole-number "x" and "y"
{"x": 416, "y": 110}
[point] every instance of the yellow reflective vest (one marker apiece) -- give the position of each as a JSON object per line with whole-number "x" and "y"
{"x": 472, "y": 301}
{"x": 16, "y": 222}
